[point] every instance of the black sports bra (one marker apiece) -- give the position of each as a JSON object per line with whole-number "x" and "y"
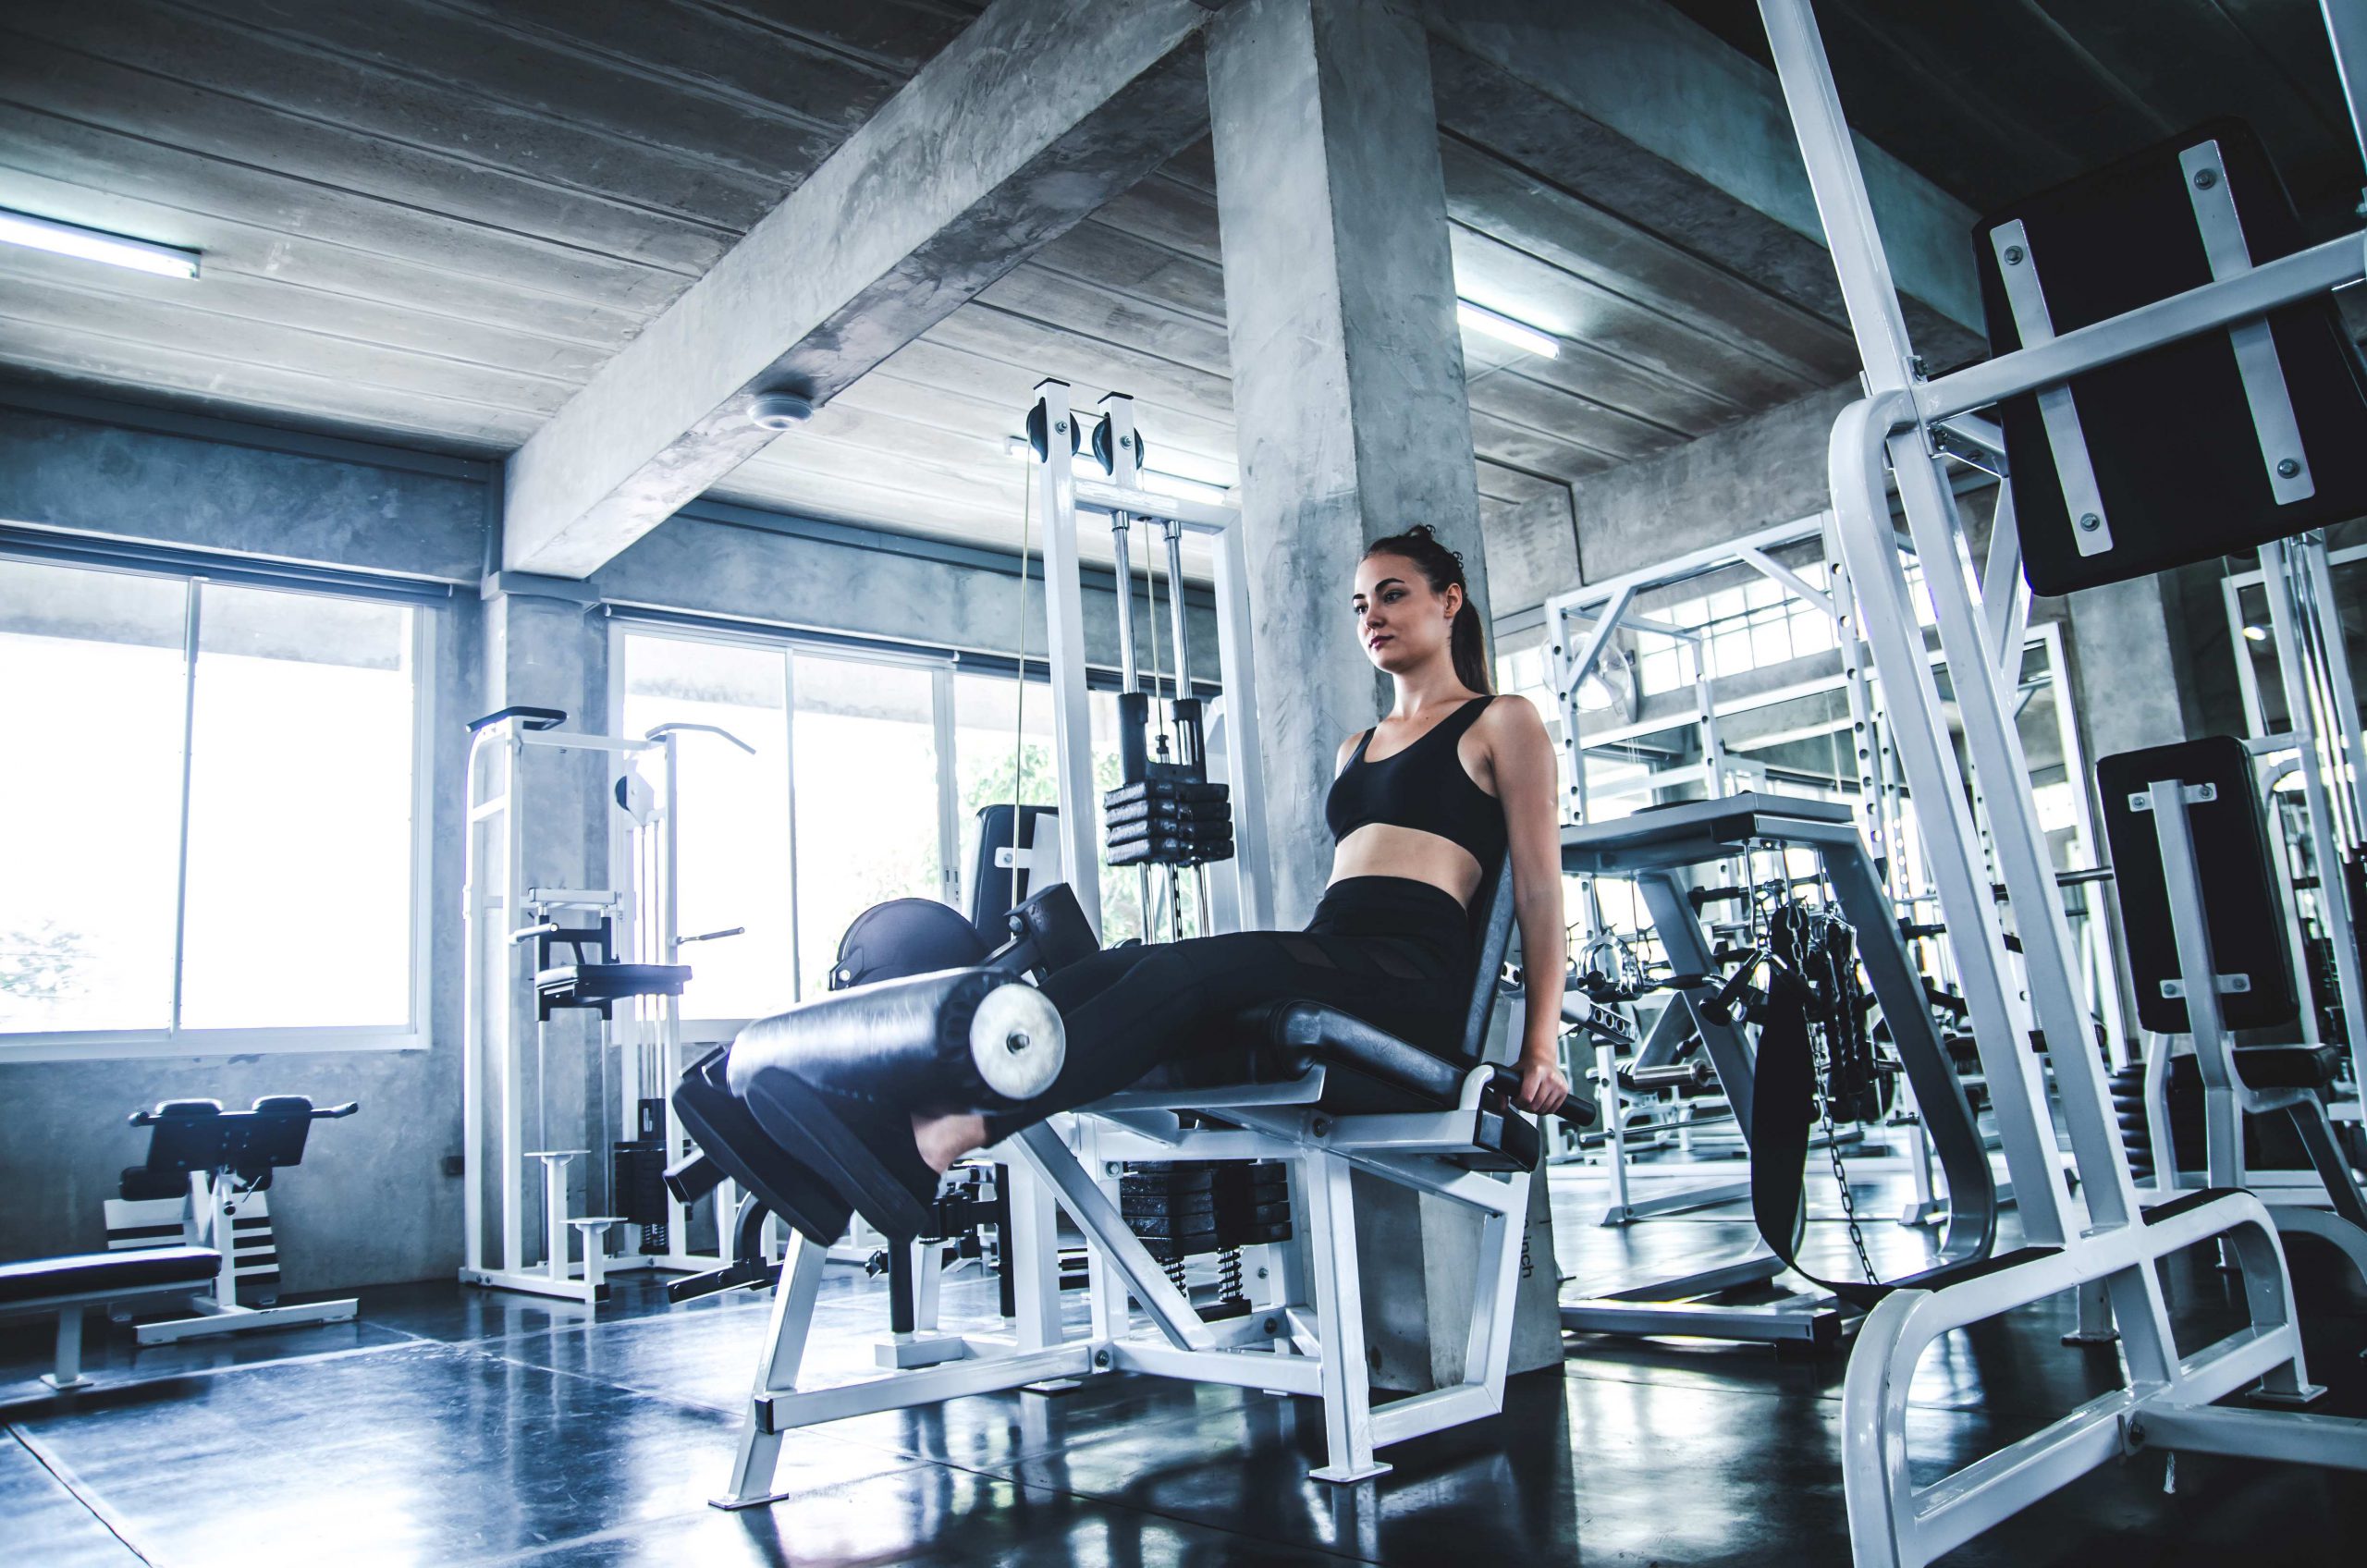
{"x": 1423, "y": 787}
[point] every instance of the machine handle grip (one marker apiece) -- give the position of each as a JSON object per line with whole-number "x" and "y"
{"x": 532, "y": 718}
{"x": 331, "y": 1112}
{"x": 665, "y": 729}
{"x": 1503, "y": 1082}
{"x": 712, "y": 935}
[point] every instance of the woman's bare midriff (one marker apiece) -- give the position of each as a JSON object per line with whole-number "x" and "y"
{"x": 1383, "y": 849}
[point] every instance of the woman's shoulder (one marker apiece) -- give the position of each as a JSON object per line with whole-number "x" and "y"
{"x": 1508, "y": 713}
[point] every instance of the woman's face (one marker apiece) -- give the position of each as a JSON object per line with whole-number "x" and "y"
{"x": 1401, "y": 619}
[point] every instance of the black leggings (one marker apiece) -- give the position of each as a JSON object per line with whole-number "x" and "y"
{"x": 1389, "y": 949}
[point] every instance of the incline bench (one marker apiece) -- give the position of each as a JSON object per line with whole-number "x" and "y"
{"x": 68, "y": 1286}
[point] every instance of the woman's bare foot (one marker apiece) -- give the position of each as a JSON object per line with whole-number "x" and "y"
{"x": 944, "y": 1139}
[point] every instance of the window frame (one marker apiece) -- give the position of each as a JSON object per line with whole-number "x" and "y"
{"x": 414, "y": 1032}
{"x": 790, "y": 646}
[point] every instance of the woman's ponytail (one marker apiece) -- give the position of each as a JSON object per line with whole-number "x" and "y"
{"x": 1442, "y": 569}
{"x": 1469, "y": 645}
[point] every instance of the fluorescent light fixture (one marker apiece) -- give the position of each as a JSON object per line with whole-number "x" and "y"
{"x": 2255, "y": 634}
{"x": 95, "y": 245}
{"x": 1519, "y": 334}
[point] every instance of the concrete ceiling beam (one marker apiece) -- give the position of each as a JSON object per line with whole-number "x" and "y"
{"x": 1037, "y": 114}
{"x": 1714, "y": 121}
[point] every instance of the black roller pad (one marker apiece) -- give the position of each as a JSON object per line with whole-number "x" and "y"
{"x": 723, "y": 1127}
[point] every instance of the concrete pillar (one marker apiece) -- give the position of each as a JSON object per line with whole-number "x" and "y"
{"x": 2128, "y": 688}
{"x": 1348, "y": 394}
{"x": 543, "y": 649}
{"x": 1347, "y": 367}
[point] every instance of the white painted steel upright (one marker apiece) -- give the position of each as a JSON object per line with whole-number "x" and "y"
{"x": 501, "y": 913}
{"x": 2166, "y": 1397}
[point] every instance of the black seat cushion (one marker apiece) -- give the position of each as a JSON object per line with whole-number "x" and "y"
{"x": 1367, "y": 1071}
{"x": 2287, "y": 1067}
{"x": 2240, "y": 904}
{"x": 93, "y": 1273}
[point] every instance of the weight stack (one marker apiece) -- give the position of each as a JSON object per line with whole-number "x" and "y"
{"x": 1162, "y": 821}
{"x": 1187, "y": 1208}
{"x": 637, "y": 1176}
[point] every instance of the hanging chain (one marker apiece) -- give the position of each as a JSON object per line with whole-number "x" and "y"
{"x": 1821, "y": 1044}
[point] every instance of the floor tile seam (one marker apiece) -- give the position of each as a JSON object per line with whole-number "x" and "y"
{"x": 80, "y": 1490}
{"x": 898, "y": 1451}
{"x": 553, "y": 1330}
{"x": 683, "y": 1401}
{"x": 133, "y": 1378}
{"x": 660, "y": 1521}
{"x": 678, "y": 1400}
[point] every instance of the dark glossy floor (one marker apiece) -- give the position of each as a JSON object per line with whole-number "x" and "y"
{"x": 448, "y": 1426}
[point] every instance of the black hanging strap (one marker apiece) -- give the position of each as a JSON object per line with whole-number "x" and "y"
{"x": 1783, "y": 1110}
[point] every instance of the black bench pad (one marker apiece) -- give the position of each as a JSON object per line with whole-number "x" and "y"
{"x": 95, "y": 1273}
{"x": 2286, "y": 1067}
{"x": 1372, "y": 1072}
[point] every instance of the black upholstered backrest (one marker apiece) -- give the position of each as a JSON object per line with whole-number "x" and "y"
{"x": 2180, "y": 473}
{"x": 991, "y": 896}
{"x": 2231, "y": 859}
{"x": 1491, "y": 929}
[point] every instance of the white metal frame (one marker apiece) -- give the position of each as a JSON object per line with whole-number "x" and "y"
{"x": 2166, "y": 1397}
{"x": 2323, "y": 734}
{"x": 2228, "y": 1099}
{"x": 499, "y": 918}
{"x": 209, "y": 1218}
{"x": 1305, "y": 1336}
{"x": 412, "y": 1034}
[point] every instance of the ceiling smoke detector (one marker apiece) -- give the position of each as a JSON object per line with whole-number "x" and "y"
{"x": 779, "y": 411}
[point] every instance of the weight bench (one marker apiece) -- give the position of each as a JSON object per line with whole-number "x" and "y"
{"x": 70, "y": 1286}
{"x": 2208, "y": 955}
{"x": 208, "y": 1170}
{"x": 1302, "y": 1085}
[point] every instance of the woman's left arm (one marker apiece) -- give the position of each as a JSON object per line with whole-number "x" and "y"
{"x": 1526, "y": 780}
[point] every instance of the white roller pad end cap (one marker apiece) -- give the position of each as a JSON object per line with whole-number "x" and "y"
{"x": 1017, "y": 1041}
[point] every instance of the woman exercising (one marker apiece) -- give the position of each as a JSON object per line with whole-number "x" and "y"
{"x": 1420, "y": 806}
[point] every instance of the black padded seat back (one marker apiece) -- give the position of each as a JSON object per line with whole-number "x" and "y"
{"x": 1002, "y": 827}
{"x": 2240, "y": 897}
{"x": 271, "y": 1135}
{"x": 185, "y": 1136}
{"x": 2179, "y": 468}
{"x": 1491, "y": 930}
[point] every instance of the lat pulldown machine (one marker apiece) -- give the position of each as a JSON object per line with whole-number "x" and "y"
{"x": 2193, "y": 320}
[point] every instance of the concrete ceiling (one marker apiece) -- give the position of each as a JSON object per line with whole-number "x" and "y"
{"x": 432, "y": 220}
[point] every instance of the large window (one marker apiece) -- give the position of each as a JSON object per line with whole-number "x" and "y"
{"x": 870, "y": 793}
{"x": 840, "y": 807}
{"x": 732, "y": 821}
{"x": 869, "y": 775}
{"x": 208, "y": 801}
